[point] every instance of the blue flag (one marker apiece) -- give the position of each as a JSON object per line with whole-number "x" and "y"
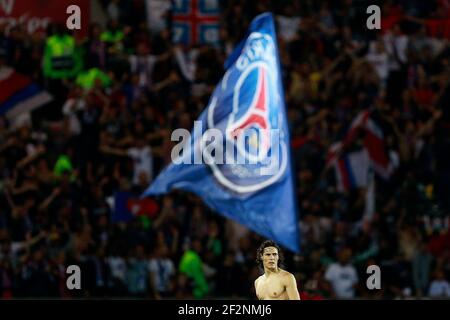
{"x": 237, "y": 157}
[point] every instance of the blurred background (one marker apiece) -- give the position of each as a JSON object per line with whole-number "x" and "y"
{"x": 85, "y": 124}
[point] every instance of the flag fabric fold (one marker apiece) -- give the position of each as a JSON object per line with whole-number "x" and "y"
{"x": 352, "y": 170}
{"x": 373, "y": 142}
{"x": 19, "y": 94}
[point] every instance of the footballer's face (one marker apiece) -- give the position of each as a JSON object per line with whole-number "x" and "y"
{"x": 270, "y": 258}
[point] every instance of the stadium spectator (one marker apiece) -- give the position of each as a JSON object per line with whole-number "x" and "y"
{"x": 343, "y": 276}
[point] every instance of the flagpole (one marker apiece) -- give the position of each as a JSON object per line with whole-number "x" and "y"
{"x": 369, "y": 209}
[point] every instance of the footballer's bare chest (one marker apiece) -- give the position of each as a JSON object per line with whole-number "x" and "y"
{"x": 271, "y": 288}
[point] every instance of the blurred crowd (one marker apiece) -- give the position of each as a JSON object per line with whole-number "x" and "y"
{"x": 60, "y": 169}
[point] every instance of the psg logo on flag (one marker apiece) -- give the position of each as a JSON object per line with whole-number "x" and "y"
{"x": 247, "y": 108}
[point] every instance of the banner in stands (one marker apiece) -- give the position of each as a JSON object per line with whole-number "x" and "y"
{"x": 36, "y": 15}
{"x": 196, "y": 21}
